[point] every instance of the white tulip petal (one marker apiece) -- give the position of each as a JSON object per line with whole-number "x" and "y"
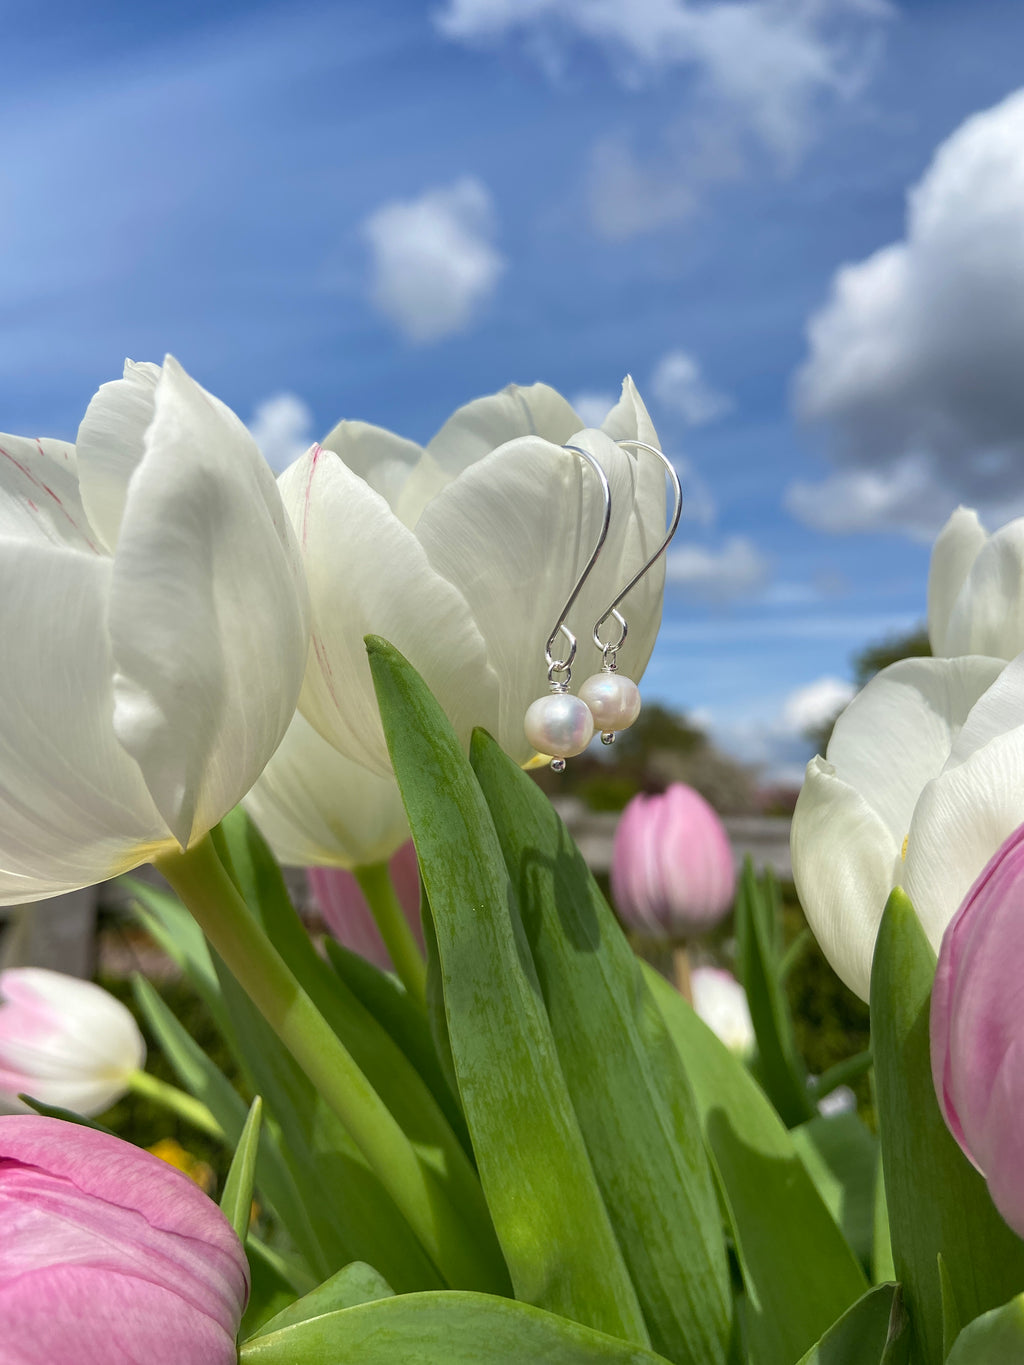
{"x": 207, "y": 610}
{"x": 380, "y": 457}
{"x": 368, "y": 573}
{"x": 955, "y": 550}
{"x": 897, "y": 734}
{"x": 843, "y": 866}
{"x": 317, "y": 808}
{"x": 73, "y": 806}
{"x": 961, "y": 819}
{"x": 71, "y": 1028}
{"x": 39, "y": 497}
{"x": 999, "y": 708}
{"x": 110, "y": 444}
{"x": 629, "y": 418}
{"x": 481, "y": 426}
{"x": 988, "y": 614}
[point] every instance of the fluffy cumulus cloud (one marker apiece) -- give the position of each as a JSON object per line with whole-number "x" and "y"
{"x": 815, "y": 704}
{"x": 282, "y": 427}
{"x": 914, "y": 368}
{"x": 679, "y": 387}
{"x": 759, "y": 70}
{"x": 737, "y": 570}
{"x": 594, "y": 405}
{"x": 434, "y": 262}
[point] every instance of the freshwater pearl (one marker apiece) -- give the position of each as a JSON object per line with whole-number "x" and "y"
{"x": 559, "y": 724}
{"x": 614, "y": 701}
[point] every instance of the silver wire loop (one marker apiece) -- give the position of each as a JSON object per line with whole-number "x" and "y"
{"x": 609, "y": 648}
{"x": 565, "y": 665}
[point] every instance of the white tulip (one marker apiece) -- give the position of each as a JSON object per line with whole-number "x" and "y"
{"x": 721, "y": 1002}
{"x": 317, "y": 808}
{"x": 462, "y": 555}
{"x": 154, "y": 620}
{"x": 976, "y": 588}
{"x": 64, "y": 1041}
{"x": 920, "y": 785}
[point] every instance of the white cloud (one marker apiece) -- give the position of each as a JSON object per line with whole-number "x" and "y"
{"x": 282, "y": 427}
{"x": 434, "y": 259}
{"x": 680, "y": 387}
{"x": 759, "y": 71}
{"x": 814, "y": 705}
{"x": 594, "y": 405}
{"x": 914, "y": 368}
{"x": 738, "y": 569}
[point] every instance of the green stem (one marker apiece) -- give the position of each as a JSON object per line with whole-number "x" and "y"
{"x": 794, "y": 953}
{"x": 169, "y": 1097}
{"x": 395, "y": 930}
{"x": 849, "y": 1069}
{"x": 200, "y": 880}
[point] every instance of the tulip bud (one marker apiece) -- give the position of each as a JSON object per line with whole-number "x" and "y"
{"x": 64, "y": 1041}
{"x": 340, "y": 900}
{"x": 109, "y": 1255}
{"x": 977, "y": 1027}
{"x": 673, "y": 873}
{"x": 721, "y": 1002}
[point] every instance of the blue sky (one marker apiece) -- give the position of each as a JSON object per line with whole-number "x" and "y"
{"x": 381, "y": 210}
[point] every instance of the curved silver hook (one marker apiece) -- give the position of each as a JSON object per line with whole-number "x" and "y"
{"x": 606, "y": 646}
{"x": 563, "y": 665}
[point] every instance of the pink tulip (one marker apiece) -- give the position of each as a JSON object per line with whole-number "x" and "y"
{"x": 109, "y": 1256}
{"x": 64, "y": 1041}
{"x": 672, "y": 872}
{"x": 340, "y": 900}
{"x": 977, "y": 1027}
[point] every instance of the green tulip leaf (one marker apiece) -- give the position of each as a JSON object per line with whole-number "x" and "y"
{"x": 875, "y": 1331}
{"x": 55, "y": 1111}
{"x": 236, "y": 1197}
{"x": 799, "y": 1272}
{"x": 271, "y": 1286}
{"x": 550, "y": 1218}
{"x": 640, "y": 1123}
{"x": 454, "y": 1328}
{"x": 779, "y": 1067}
{"x": 938, "y": 1203}
{"x": 841, "y": 1156}
{"x": 352, "y": 1285}
{"x": 254, "y": 870}
{"x": 201, "y": 1078}
{"x": 995, "y": 1338}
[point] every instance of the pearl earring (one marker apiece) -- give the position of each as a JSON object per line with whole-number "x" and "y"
{"x": 614, "y": 701}
{"x": 560, "y": 724}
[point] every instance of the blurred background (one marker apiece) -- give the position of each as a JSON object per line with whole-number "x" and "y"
{"x": 798, "y": 223}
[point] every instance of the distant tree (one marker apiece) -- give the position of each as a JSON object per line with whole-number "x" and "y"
{"x": 913, "y": 644}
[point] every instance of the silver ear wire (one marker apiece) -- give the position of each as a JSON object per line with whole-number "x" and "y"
{"x": 614, "y": 702}
{"x": 558, "y": 723}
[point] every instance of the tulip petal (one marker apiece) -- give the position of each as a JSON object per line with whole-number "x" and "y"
{"x": 380, "y": 457}
{"x": 629, "y": 418}
{"x": 843, "y": 866}
{"x": 368, "y": 573}
{"x": 988, "y": 614}
{"x": 207, "y": 610}
{"x": 962, "y": 817}
{"x": 39, "y": 495}
{"x": 73, "y": 806}
{"x": 477, "y": 428}
{"x": 999, "y": 708}
{"x": 897, "y": 733}
{"x": 316, "y": 807}
{"x": 955, "y": 550}
{"x": 111, "y": 439}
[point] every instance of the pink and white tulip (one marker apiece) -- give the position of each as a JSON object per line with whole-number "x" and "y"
{"x": 109, "y": 1256}
{"x": 673, "y": 873}
{"x": 346, "y": 913}
{"x": 721, "y": 1002}
{"x": 977, "y": 1027}
{"x": 64, "y": 1041}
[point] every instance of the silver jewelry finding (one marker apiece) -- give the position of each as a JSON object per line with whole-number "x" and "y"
{"x": 614, "y": 701}
{"x": 560, "y": 724}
